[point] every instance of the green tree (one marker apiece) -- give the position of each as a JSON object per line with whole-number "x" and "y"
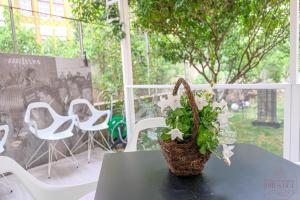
{"x": 222, "y": 40}
{"x": 104, "y": 54}
{"x": 102, "y": 44}
{"x": 53, "y": 46}
{"x": 228, "y": 36}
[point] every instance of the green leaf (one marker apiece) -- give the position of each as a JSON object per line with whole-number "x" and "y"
{"x": 203, "y": 149}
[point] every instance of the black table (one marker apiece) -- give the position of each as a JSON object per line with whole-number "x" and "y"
{"x": 255, "y": 174}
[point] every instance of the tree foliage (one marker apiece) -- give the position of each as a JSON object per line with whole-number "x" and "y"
{"x": 226, "y": 36}
{"x": 222, "y": 40}
{"x": 102, "y": 44}
{"x": 26, "y": 42}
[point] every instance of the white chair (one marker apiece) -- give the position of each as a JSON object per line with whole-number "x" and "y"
{"x": 157, "y": 122}
{"x": 51, "y": 135}
{"x": 42, "y": 191}
{"x": 4, "y": 128}
{"x": 90, "y": 125}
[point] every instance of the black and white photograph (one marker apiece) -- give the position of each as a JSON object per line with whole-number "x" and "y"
{"x": 26, "y": 79}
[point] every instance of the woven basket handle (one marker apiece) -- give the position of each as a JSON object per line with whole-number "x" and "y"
{"x": 193, "y": 105}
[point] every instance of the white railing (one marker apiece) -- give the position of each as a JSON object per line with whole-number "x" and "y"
{"x": 218, "y": 86}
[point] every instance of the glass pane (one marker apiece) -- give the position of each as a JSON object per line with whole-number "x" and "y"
{"x": 104, "y": 54}
{"x": 248, "y": 44}
{"x": 60, "y": 37}
{"x": 44, "y": 8}
{"x": 25, "y": 7}
{"x": 52, "y": 36}
{"x": 6, "y": 41}
{"x": 150, "y": 67}
{"x": 256, "y": 116}
{"x": 58, "y": 9}
{"x": 26, "y": 34}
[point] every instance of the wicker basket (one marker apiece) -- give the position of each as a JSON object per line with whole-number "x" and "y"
{"x": 184, "y": 159}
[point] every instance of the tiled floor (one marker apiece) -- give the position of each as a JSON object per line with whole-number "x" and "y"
{"x": 63, "y": 172}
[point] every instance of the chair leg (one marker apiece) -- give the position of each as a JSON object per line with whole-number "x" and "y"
{"x": 89, "y": 147}
{"x": 92, "y": 145}
{"x": 31, "y": 161}
{"x": 72, "y": 159}
{"x": 55, "y": 155}
{"x": 50, "y": 154}
{"x": 79, "y": 146}
{"x": 103, "y": 138}
{"x": 76, "y": 146}
{"x": 101, "y": 145}
{"x": 72, "y": 155}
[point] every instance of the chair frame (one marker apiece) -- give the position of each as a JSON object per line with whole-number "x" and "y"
{"x": 89, "y": 127}
{"x": 43, "y": 191}
{"x": 51, "y": 133}
{"x": 4, "y": 128}
{"x": 156, "y": 122}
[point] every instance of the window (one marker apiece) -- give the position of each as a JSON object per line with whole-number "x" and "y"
{"x": 58, "y": 8}
{"x": 46, "y": 30}
{"x": 28, "y": 26}
{"x": 58, "y": 1}
{"x": 61, "y": 32}
{"x": 26, "y": 7}
{"x": 44, "y": 8}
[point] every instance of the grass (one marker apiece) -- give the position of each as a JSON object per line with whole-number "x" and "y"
{"x": 240, "y": 122}
{"x": 268, "y": 138}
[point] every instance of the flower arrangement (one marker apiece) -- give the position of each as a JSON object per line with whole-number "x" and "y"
{"x": 212, "y": 125}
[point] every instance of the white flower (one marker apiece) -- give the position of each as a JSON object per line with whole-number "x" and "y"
{"x": 223, "y": 120}
{"x": 226, "y": 136}
{"x": 227, "y": 153}
{"x": 176, "y": 133}
{"x": 222, "y": 105}
{"x": 216, "y": 125}
{"x": 163, "y": 103}
{"x": 210, "y": 90}
{"x": 201, "y": 102}
{"x": 172, "y": 101}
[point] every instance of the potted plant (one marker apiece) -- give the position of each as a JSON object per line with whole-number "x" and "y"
{"x": 196, "y": 124}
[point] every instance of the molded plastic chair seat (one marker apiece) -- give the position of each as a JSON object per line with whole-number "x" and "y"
{"x": 51, "y": 134}
{"x": 4, "y": 128}
{"x": 87, "y": 127}
{"x": 42, "y": 191}
{"x": 1, "y": 149}
{"x": 90, "y": 125}
{"x": 157, "y": 122}
{"x": 60, "y": 136}
{"x": 51, "y": 130}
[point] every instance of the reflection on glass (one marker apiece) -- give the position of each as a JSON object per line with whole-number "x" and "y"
{"x": 256, "y": 116}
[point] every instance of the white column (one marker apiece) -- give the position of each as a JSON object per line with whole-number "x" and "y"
{"x": 295, "y": 120}
{"x": 294, "y": 41}
{"x": 127, "y": 67}
{"x": 287, "y": 123}
{"x": 293, "y": 74}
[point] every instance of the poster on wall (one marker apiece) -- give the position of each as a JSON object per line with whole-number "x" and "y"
{"x": 25, "y": 79}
